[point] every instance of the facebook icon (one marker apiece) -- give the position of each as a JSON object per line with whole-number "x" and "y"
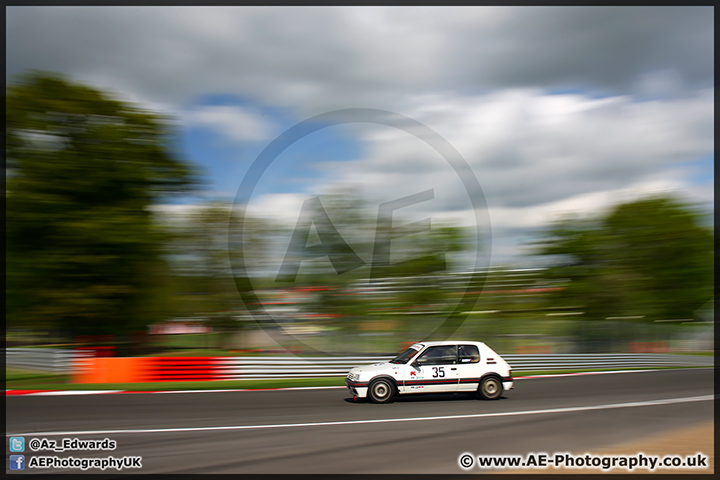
{"x": 17, "y": 462}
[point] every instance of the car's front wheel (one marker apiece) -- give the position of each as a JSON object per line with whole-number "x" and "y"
{"x": 381, "y": 391}
{"x": 490, "y": 388}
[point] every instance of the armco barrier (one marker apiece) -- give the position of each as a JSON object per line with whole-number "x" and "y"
{"x": 232, "y": 368}
{"x": 156, "y": 369}
{"x": 55, "y": 360}
{"x": 606, "y": 360}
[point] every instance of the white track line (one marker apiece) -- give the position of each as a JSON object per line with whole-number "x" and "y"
{"x": 73, "y": 392}
{"x": 667, "y": 401}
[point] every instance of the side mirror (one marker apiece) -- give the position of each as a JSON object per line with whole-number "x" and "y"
{"x": 415, "y": 365}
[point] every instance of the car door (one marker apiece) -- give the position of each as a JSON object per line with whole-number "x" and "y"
{"x": 435, "y": 370}
{"x": 469, "y": 368}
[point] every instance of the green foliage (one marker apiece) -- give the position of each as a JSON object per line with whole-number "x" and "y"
{"x": 83, "y": 168}
{"x": 650, "y": 258}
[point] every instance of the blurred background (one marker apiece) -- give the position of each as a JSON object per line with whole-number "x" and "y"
{"x": 124, "y": 235}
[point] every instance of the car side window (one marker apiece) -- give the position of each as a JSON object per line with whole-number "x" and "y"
{"x": 468, "y": 354}
{"x": 439, "y": 355}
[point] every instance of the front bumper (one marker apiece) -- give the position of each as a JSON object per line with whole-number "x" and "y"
{"x": 357, "y": 389}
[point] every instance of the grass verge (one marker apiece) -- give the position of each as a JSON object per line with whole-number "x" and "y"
{"x": 30, "y": 377}
{"x": 165, "y": 386}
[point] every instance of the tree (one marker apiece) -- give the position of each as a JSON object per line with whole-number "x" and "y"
{"x": 83, "y": 169}
{"x": 651, "y": 258}
{"x": 665, "y": 256}
{"x": 200, "y": 252}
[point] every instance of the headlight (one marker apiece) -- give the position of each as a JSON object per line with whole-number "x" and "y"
{"x": 353, "y": 376}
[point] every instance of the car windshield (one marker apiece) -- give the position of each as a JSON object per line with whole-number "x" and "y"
{"x": 404, "y": 357}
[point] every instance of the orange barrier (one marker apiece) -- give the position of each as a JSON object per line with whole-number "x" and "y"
{"x": 143, "y": 369}
{"x": 108, "y": 370}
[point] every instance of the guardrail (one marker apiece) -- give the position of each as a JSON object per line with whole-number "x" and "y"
{"x": 235, "y": 368}
{"x": 229, "y": 368}
{"x": 55, "y": 360}
{"x": 608, "y": 360}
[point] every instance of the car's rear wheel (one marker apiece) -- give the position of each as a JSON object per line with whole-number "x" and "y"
{"x": 490, "y": 388}
{"x": 381, "y": 391}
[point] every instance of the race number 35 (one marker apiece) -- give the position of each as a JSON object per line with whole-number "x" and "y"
{"x": 438, "y": 372}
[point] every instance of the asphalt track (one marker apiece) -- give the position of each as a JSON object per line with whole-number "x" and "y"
{"x": 324, "y": 431}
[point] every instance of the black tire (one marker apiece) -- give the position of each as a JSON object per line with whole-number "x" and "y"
{"x": 381, "y": 390}
{"x": 490, "y": 388}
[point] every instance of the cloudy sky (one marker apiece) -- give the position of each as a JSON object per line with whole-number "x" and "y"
{"x": 555, "y": 109}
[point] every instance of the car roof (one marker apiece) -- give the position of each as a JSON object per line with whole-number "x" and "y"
{"x": 451, "y": 342}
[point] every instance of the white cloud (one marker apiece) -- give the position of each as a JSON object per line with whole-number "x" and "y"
{"x": 283, "y": 208}
{"x": 234, "y": 123}
{"x": 535, "y": 156}
{"x": 528, "y": 148}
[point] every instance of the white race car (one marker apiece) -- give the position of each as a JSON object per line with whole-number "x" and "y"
{"x": 427, "y": 367}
